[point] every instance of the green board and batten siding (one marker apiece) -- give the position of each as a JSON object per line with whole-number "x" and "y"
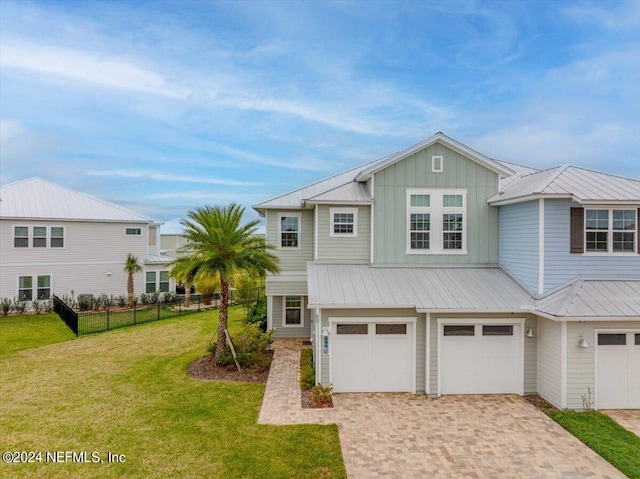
{"x": 344, "y": 248}
{"x": 390, "y": 218}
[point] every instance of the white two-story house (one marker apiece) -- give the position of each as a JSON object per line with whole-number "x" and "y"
{"x": 57, "y": 241}
{"x": 438, "y": 270}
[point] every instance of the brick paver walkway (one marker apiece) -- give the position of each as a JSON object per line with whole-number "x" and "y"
{"x": 627, "y": 418}
{"x": 411, "y": 436}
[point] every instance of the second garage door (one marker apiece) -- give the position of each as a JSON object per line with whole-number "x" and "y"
{"x": 618, "y": 370}
{"x": 477, "y": 358}
{"x": 372, "y": 356}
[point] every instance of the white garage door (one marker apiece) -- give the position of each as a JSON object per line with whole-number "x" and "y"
{"x": 372, "y": 357}
{"x": 481, "y": 358}
{"x": 618, "y": 370}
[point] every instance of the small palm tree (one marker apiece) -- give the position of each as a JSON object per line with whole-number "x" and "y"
{"x": 183, "y": 271}
{"x": 131, "y": 267}
{"x": 221, "y": 245}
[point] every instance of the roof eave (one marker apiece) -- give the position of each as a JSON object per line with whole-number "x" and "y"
{"x": 495, "y": 201}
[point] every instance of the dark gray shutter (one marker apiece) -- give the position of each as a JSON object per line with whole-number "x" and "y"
{"x": 577, "y": 230}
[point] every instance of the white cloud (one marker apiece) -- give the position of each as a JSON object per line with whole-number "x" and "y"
{"x": 152, "y": 175}
{"x": 87, "y": 67}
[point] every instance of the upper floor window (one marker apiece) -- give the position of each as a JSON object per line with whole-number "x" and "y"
{"x": 289, "y": 230}
{"x": 437, "y": 164}
{"x": 21, "y": 237}
{"x": 133, "y": 231}
{"x": 39, "y": 236}
{"x": 610, "y": 230}
{"x": 344, "y": 222}
{"x": 436, "y": 221}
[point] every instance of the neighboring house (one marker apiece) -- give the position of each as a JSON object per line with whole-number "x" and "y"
{"x": 437, "y": 270}
{"x": 173, "y": 244}
{"x": 57, "y": 241}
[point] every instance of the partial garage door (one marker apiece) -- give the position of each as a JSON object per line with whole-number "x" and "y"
{"x": 618, "y": 370}
{"x": 481, "y": 358}
{"x": 372, "y": 356}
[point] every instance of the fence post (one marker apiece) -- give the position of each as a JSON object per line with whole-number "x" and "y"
{"x": 158, "y": 310}
{"x": 134, "y": 313}
{"x": 108, "y": 308}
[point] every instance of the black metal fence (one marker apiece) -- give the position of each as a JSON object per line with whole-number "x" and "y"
{"x": 112, "y": 317}
{"x": 68, "y": 315}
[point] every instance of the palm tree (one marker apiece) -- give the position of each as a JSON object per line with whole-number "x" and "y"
{"x": 221, "y": 245}
{"x": 131, "y": 266}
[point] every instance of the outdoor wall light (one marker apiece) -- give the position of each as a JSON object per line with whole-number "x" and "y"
{"x": 529, "y": 332}
{"x": 582, "y": 342}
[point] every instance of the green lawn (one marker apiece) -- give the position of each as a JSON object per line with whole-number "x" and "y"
{"x": 605, "y": 436}
{"x": 30, "y": 331}
{"x": 127, "y": 392}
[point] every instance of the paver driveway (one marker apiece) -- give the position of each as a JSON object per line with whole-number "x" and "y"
{"x": 410, "y": 436}
{"x": 627, "y": 418}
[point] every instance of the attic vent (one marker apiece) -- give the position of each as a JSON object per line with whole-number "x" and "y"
{"x": 437, "y": 164}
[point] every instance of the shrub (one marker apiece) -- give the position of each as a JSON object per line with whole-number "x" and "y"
{"x": 307, "y": 371}
{"x": 19, "y": 306}
{"x": 251, "y": 348}
{"x": 84, "y": 303}
{"x": 121, "y": 300}
{"x": 37, "y": 307}
{"x": 154, "y": 297}
{"x": 6, "y": 306}
{"x": 47, "y": 305}
{"x": 321, "y": 396}
{"x": 169, "y": 298}
{"x": 258, "y": 313}
{"x": 144, "y": 298}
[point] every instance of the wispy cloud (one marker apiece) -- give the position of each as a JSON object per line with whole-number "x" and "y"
{"x": 85, "y": 67}
{"x": 153, "y": 175}
{"x": 616, "y": 16}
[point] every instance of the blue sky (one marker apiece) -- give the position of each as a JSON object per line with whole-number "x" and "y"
{"x": 164, "y": 106}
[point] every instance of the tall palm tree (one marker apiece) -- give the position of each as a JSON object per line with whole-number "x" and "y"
{"x": 131, "y": 267}
{"x": 222, "y": 245}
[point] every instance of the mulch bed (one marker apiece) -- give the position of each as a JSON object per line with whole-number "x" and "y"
{"x": 206, "y": 368}
{"x": 540, "y": 403}
{"x": 308, "y": 403}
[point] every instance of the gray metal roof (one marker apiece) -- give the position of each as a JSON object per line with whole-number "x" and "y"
{"x": 157, "y": 259}
{"x": 591, "y": 298}
{"x": 36, "y": 198}
{"x": 585, "y": 186}
{"x": 352, "y": 192}
{"x": 424, "y": 288}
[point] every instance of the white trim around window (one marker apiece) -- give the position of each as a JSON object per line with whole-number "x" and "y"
{"x": 293, "y": 229}
{"x": 133, "y": 231}
{"x": 38, "y": 237}
{"x": 38, "y": 287}
{"x": 436, "y": 221}
{"x": 604, "y": 228}
{"x": 346, "y": 224}
{"x": 294, "y": 304}
{"x": 437, "y": 164}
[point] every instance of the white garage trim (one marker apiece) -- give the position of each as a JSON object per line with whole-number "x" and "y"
{"x": 595, "y": 360}
{"x": 482, "y": 321}
{"x": 377, "y": 320}
{"x": 427, "y": 379}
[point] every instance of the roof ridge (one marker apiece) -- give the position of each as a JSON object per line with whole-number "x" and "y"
{"x": 604, "y": 173}
{"x": 517, "y": 164}
{"x": 554, "y": 177}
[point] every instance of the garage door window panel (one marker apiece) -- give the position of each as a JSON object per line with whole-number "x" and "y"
{"x": 612, "y": 339}
{"x": 459, "y": 330}
{"x": 391, "y": 329}
{"x": 352, "y": 329}
{"x": 497, "y": 330}
{"x": 637, "y": 339}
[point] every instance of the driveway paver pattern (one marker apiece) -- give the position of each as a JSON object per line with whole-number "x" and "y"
{"x": 412, "y": 436}
{"x": 627, "y": 418}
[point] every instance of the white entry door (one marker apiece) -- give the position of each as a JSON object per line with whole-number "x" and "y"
{"x": 618, "y": 370}
{"x": 372, "y": 356}
{"x": 478, "y": 358}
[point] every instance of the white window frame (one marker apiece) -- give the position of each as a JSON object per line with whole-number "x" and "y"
{"x": 51, "y": 238}
{"x": 437, "y": 164}
{"x": 436, "y": 210}
{"x": 139, "y": 228}
{"x": 284, "y": 311}
{"x": 34, "y": 237}
{"x": 289, "y": 215}
{"x": 34, "y": 285}
{"x": 610, "y": 232}
{"x": 31, "y": 237}
{"x": 351, "y": 211}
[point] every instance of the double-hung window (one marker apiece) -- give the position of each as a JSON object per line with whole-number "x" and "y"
{"x": 436, "y": 221}
{"x": 289, "y": 230}
{"x": 293, "y": 315}
{"x": 611, "y": 230}
{"x": 57, "y": 237}
{"x": 344, "y": 222}
{"x": 150, "y": 285}
{"x": 21, "y": 237}
{"x": 39, "y": 236}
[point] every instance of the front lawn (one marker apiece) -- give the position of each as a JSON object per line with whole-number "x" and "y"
{"x": 605, "y": 436}
{"x": 127, "y": 392}
{"x": 30, "y": 331}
